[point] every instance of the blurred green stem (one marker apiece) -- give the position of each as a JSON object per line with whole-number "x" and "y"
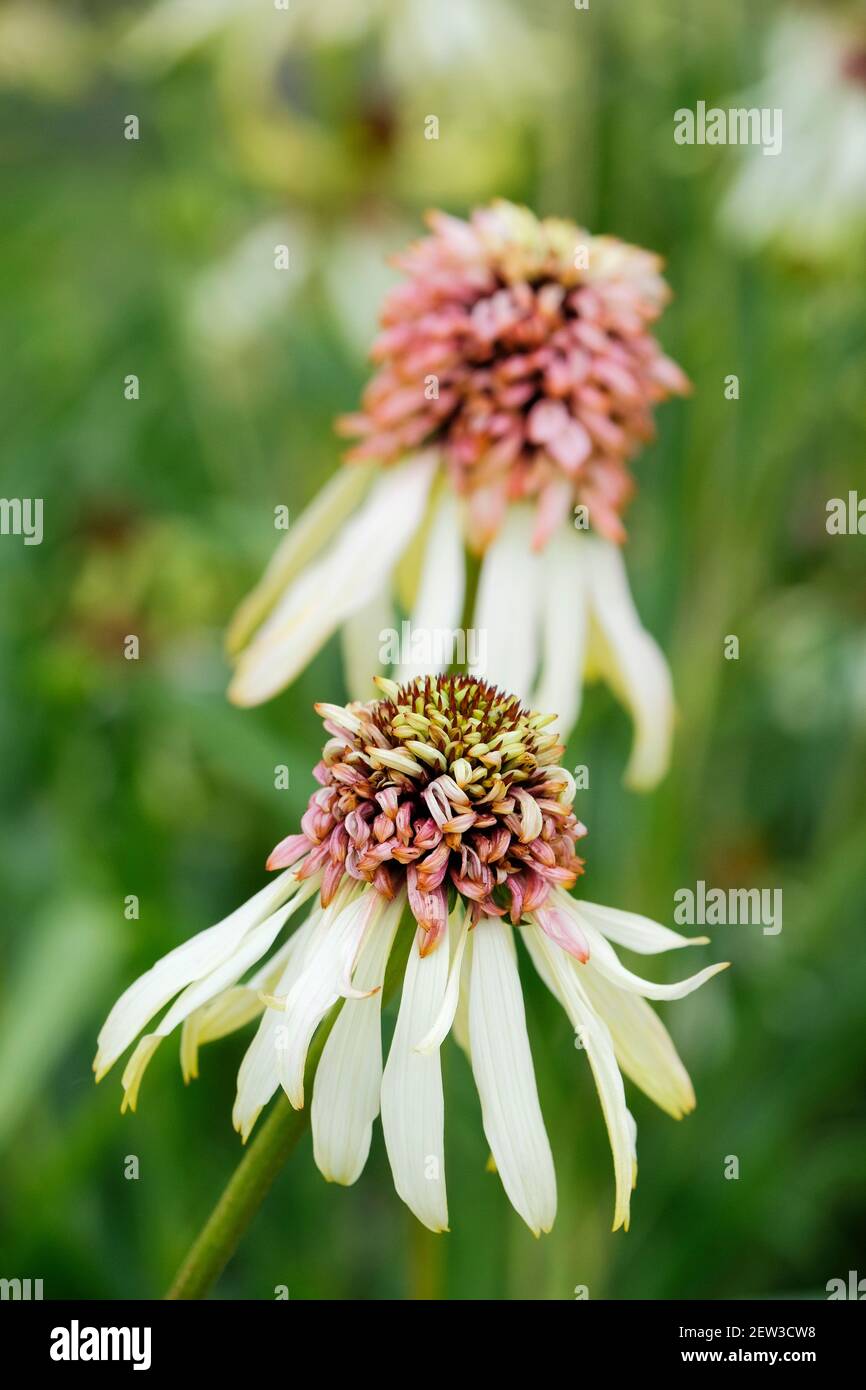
{"x": 246, "y": 1190}
{"x": 248, "y": 1186}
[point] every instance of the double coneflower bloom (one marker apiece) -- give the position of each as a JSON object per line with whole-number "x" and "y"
{"x": 517, "y": 377}
{"x": 442, "y": 811}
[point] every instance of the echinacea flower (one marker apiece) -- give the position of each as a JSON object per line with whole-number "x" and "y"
{"x": 442, "y": 806}
{"x": 809, "y": 199}
{"x": 517, "y": 377}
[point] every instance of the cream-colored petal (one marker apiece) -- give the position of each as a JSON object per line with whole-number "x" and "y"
{"x": 259, "y": 1073}
{"x": 629, "y": 929}
{"x": 505, "y": 1077}
{"x": 460, "y": 1026}
{"x": 606, "y": 962}
{"x": 413, "y": 1106}
{"x": 230, "y": 1010}
{"x": 644, "y": 1048}
{"x": 507, "y": 616}
{"x": 254, "y": 945}
{"x": 553, "y": 964}
{"x": 326, "y": 594}
{"x": 302, "y": 543}
{"x": 349, "y": 1075}
{"x": 631, "y": 661}
{"x": 186, "y": 963}
{"x": 458, "y": 935}
{"x": 329, "y": 960}
{"x": 438, "y": 610}
{"x": 564, "y": 628}
{"x": 361, "y": 640}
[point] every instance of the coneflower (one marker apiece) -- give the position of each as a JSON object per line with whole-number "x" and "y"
{"x": 441, "y": 810}
{"x": 808, "y": 199}
{"x": 517, "y": 378}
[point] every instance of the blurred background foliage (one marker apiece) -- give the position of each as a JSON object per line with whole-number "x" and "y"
{"x": 155, "y": 257}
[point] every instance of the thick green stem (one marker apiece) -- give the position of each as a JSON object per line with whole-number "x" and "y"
{"x": 249, "y": 1184}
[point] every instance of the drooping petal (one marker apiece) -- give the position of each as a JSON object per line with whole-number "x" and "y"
{"x": 564, "y": 620}
{"x": 458, "y": 935}
{"x": 438, "y": 607}
{"x": 302, "y": 543}
{"x": 195, "y": 958}
{"x": 553, "y": 964}
{"x": 413, "y": 1107}
{"x": 563, "y": 928}
{"x": 361, "y": 641}
{"x": 230, "y": 1010}
{"x": 631, "y": 661}
{"x": 505, "y": 1078}
{"x": 644, "y": 1048}
{"x": 632, "y": 1128}
{"x": 251, "y": 949}
{"x": 507, "y": 607}
{"x": 630, "y": 929}
{"x": 338, "y": 584}
{"x": 259, "y": 1073}
{"x": 328, "y": 963}
{"x": 605, "y": 960}
{"x": 460, "y": 1026}
{"x": 349, "y": 1075}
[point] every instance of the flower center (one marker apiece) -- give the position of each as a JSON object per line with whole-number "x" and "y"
{"x": 522, "y": 347}
{"x": 445, "y": 785}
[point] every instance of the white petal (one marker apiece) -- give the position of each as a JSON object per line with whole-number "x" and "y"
{"x": 254, "y": 945}
{"x": 560, "y": 685}
{"x": 460, "y": 1026}
{"x": 597, "y": 1042}
{"x": 604, "y": 959}
{"x": 251, "y": 949}
{"x": 632, "y": 1128}
{"x": 438, "y": 608}
{"x": 349, "y": 1074}
{"x": 188, "y": 962}
{"x": 361, "y": 641}
{"x": 230, "y": 1010}
{"x": 259, "y": 1074}
{"x": 336, "y": 586}
{"x": 644, "y": 1048}
{"x": 507, "y": 609}
{"x": 631, "y": 661}
{"x": 629, "y": 929}
{"x": 458, "y": 934}
{"x": 505, "y": 1078}
{"x": 413, "y": 1107}
{"x": 329, "y": 960}
{"x": 303, "y": 541}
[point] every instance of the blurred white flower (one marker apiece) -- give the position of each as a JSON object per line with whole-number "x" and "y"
{"x": 44, "y": 49}
{"x": 809, "y": 200}
{"x": 491, "y": 41}
{"x": 230, "y": 303}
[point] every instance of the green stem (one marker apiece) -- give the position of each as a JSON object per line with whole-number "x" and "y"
{"x": 250, "y": 1183}
{"x": 243, "y": 1195}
